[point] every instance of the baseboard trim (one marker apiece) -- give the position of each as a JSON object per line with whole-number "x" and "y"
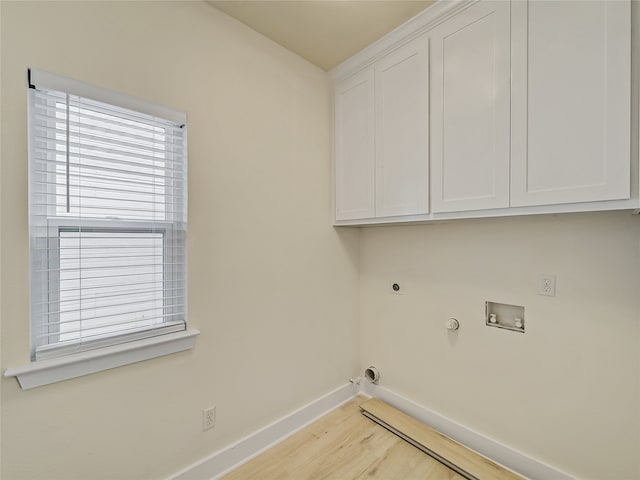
{"x": 495, "y": 451}
{"x": 223, "y": 461}
{"x": 229, "y": 458}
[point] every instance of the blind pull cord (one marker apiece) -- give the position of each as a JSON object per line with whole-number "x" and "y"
{"x": 67, "y": 151}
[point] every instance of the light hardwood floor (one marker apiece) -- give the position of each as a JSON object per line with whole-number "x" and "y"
{"x": 344, "y": 445}
{"x": 435, "y": 443}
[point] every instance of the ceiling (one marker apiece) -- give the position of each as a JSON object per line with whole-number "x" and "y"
{"x": 325, "y": 32}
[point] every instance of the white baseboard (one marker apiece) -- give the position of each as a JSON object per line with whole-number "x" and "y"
{"x": 222, "y": 462}
{"x": 496, "y": 451}
{"x": 231, "y": 457}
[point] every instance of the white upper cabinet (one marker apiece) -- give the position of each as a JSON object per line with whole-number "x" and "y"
{"x": 570, "y": 101}
{"x": 402, "y": 130}
{"x": 354, "y": 147}
{"x": 491, "y": 108}
{"x": 382, "y": 136}
{"x": 470, "y": 94}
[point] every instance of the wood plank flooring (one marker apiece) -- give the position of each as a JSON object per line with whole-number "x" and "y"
{"x": 344, "y": 445}
{"x": 436, "y": 443}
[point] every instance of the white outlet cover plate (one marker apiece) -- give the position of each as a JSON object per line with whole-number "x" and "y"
{"x": 547, "y": 285}
{"x": 208, "y": 418}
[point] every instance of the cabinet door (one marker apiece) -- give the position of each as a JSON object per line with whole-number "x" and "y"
{"x": 402, "y": 130}
{"x": 470, "y": 84}
{"x": 571, "y": 101}
{"x": 354, "y": 155}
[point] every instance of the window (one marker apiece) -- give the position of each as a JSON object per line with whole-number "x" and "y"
{"x": 107, "y": 218}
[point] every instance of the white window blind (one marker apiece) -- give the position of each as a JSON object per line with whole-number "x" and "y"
{"x": 108, "y": 222}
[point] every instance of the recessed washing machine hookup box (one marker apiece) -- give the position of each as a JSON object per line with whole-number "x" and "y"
{"x": 502, "y": 315}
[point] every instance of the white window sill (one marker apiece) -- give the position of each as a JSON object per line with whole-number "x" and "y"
{"x": 44, "y": 372}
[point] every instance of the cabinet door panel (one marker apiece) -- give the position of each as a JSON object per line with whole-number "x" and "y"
{"x": 354, "y": 156}
{"x": 402, "y": 131}
{"x": 470, "y": 110}
{"x": 571, "y": 102}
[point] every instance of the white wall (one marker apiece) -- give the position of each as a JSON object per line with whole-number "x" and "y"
{"x": 566, "y": 392}
{"x": 272, "y": 285}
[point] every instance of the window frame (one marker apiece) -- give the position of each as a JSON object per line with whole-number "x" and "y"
{"x": 60, "y": 362}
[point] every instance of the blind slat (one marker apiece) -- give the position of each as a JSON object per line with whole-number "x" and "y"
{"x": 125, "y": 325}
{"x": 88, "y": 247}
{"x": 78, "y": 147}
{"x": 121, "y": 142}
{"x": 95, "y": 197}
{"x": 124, "y": 190}
{"x": 111, "y": 156}
{"x": 105, "y": 267}
{"x": 106, "y": 179}
{"x": 102, "y": 287}
{"x": 116, "y": 209}
{"x": 153, "y": 301}
{"x": 105, "y": 169}
{"x": 89, "y": 298}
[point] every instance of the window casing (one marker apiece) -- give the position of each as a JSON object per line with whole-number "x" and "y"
{"x": 108, "y": 219}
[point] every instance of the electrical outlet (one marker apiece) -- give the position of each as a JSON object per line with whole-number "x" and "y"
{"x": 547, "y": 285}
{"x": 208, "y": 418}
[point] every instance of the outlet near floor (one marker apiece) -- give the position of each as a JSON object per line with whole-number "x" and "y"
{"x": 208, "y": 418}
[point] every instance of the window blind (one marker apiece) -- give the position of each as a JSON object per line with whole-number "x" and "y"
{"x": 108, "y": 223}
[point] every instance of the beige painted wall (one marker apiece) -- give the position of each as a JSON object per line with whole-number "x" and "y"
{"x": 568, "y": 390}
{"x": 274, "y": 288}
{"x": 272, "y": 285}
